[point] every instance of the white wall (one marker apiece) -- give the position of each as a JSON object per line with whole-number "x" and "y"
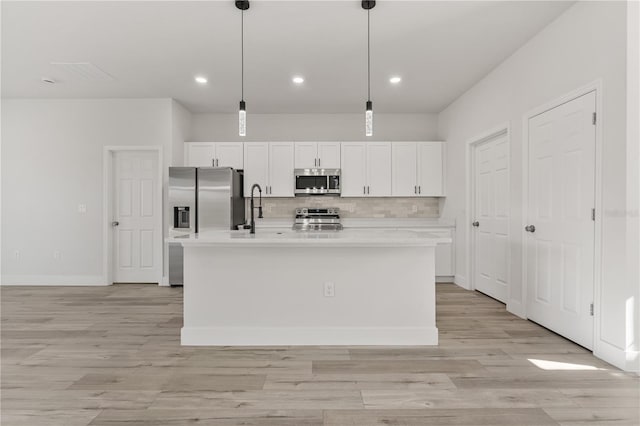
{"x": 314, "y": 127}
{"x": 181, "y": 128}
{"x": 585, "y": 43}
{"x": 52, "y": 161}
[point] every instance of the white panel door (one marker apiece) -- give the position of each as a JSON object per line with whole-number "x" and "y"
{"x": 354, "y": 169}
{"x": 230, "y": 154}
{"x": 137, "y": 218}
{"x": 378, "y": 169}
{"x": 560, "y": 251}
{"x": 199, "y": 154}
{"x": 491, "y": 221}
{"x": 329, "y": 155}
{"x": 404, "y": 169}
{"x": 256, "y": 166}
{"x": 430, "y": 170}
{"x": 281, "y": 165}
{"x": 306, "y": 155}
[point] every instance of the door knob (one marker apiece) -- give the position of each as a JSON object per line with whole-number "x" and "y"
{"x": 530, "y": 228}
{"x": 476, "y": 224}
{"x": 115, "y": 223}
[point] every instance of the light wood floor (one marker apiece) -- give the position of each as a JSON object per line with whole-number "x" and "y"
{"x": 111, "y": 356}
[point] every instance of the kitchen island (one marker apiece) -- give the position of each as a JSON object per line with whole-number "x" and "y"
{"x": 280, "y": 287}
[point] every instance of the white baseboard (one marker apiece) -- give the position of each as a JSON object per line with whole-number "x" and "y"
{"x": 445, "y": 279}
{"x": 164, "y": 282}
{"x": 516, "y": 308}
{"x": 51, "y": 280}
{"x": 286, "y": 336}
{"x": 624, "y": 360}
{"x": 461, "y": 281}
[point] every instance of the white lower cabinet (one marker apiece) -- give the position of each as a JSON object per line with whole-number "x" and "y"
{"x": 445, "y": 254}
{"x": 270, "y": 165}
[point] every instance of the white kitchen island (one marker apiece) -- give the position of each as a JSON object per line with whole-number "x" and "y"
{"x": 353, "y": 287}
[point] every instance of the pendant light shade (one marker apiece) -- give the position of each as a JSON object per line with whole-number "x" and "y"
{"x": 242, "y": 111}
{"x": 368, "y": 115}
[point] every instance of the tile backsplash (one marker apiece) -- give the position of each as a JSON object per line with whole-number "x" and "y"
{"x": 396, "y": 207}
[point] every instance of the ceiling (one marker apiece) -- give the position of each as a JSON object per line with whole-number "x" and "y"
{"x": 154, "y": 50}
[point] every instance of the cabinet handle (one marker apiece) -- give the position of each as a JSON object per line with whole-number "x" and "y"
{"x": 213, "y": 162}
{"x": 318, "y": 162}
{"x": 364, "y": 189}
{"x": 217, "y": 162}
{"x": 415, "y": 189}
{"x": 368, "y": 192}
{"x": 419, "y": 189}
{"x": 315, "y": 162}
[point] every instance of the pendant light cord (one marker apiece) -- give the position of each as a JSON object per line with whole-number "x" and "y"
{"x": 242, "y": 54}
{"x": 368, "y": 56}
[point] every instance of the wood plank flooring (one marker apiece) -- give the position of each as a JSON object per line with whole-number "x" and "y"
{"x": 112, "y": 356}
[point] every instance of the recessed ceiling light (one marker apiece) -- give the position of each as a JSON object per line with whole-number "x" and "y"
{"x": 200, "y": 79}
{"x": 297, "y": 79}
{"x": 48, "y": 80}
{"x": 395, "y": 79}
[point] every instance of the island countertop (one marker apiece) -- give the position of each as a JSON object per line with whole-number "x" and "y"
{"x": 289, "y": 238}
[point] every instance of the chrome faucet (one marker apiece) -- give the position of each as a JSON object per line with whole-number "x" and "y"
{"x": 253, "y": 222}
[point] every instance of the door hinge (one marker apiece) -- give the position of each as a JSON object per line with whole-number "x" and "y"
{"x": 593, "y": 214}
{"x": 591, "y": 309}
{"x": 593, "y": 119}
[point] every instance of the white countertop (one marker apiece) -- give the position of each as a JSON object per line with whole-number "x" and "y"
{"x": 289, "y": 238}
{"x": 395, "y": 223}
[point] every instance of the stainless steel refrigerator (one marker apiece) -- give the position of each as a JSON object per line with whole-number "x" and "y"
{"x": 201, "y": 199}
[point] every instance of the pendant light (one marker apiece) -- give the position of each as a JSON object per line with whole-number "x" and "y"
{"x": 368, "y": 115}
{"x": 242, "y": 111}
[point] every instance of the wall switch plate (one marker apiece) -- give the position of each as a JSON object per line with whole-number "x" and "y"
{"x": 329, "y": 289}
{"x": 82, "y": 208}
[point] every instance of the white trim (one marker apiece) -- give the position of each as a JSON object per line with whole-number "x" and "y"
{"x": 444, "y": 279}
{"x": 287, "y": 336}
{"x": 595, "y": 86}
{"x": 461, "y": 281}
{"x": 54, "y": 280}
{"x": 625, "y": 360}
{"x": 470, "y": 147}
{"x": 107, "y": 205}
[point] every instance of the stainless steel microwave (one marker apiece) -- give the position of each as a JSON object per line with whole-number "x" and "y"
{"x": 317, "y": 182}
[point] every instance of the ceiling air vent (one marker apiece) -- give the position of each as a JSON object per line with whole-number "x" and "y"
{"x": 81, "y": 71}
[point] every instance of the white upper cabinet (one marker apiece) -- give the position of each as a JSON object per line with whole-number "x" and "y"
{"x": 317, "y": 154}
{"x": 230, "y": 154}
{"x": 256, "y": 170}
{"x": 366, "y": 169}
{"x": 214, "y": 154}
{"x": 199, "y": 154}
{"x": 329, "y": 155}
{"x": 378, "y": 169}
{"x": 270, "y": 165}
{"x": 281, "y": 169}
{"x": 430, "y": 169}
{"x": 417, "y": 169}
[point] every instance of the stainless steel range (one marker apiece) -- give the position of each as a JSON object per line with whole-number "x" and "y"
{"x": 313, "y": 219}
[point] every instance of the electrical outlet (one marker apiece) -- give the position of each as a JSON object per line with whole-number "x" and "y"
{"x": 56, "y": 255}
{"x": 16, "y": 254}
{"x": 414, "y": 208}
{"x": 329, "y": 289}
{"x": 82, "y": 208}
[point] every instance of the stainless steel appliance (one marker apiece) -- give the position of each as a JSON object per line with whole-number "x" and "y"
{"x": 317, "y": 182}
{"x": 201, "y": 199}
{"x": 317, "y": 219}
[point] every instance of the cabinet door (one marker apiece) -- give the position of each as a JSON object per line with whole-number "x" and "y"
{"x": 256, "y": 166}
{"x": 404, "y": 169}
{"x": 378, "y": 169}
{"x": 444, "y": 254}
{"x": 306, "y": 155}
{"x": 354, "y": 171}
{"x": 329, "y": 155}
{"x": 281, "y": 165}
{"x": 230, "y": 154}
{"x": 430, "y": 170}
{"x": 199, "y": 154}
